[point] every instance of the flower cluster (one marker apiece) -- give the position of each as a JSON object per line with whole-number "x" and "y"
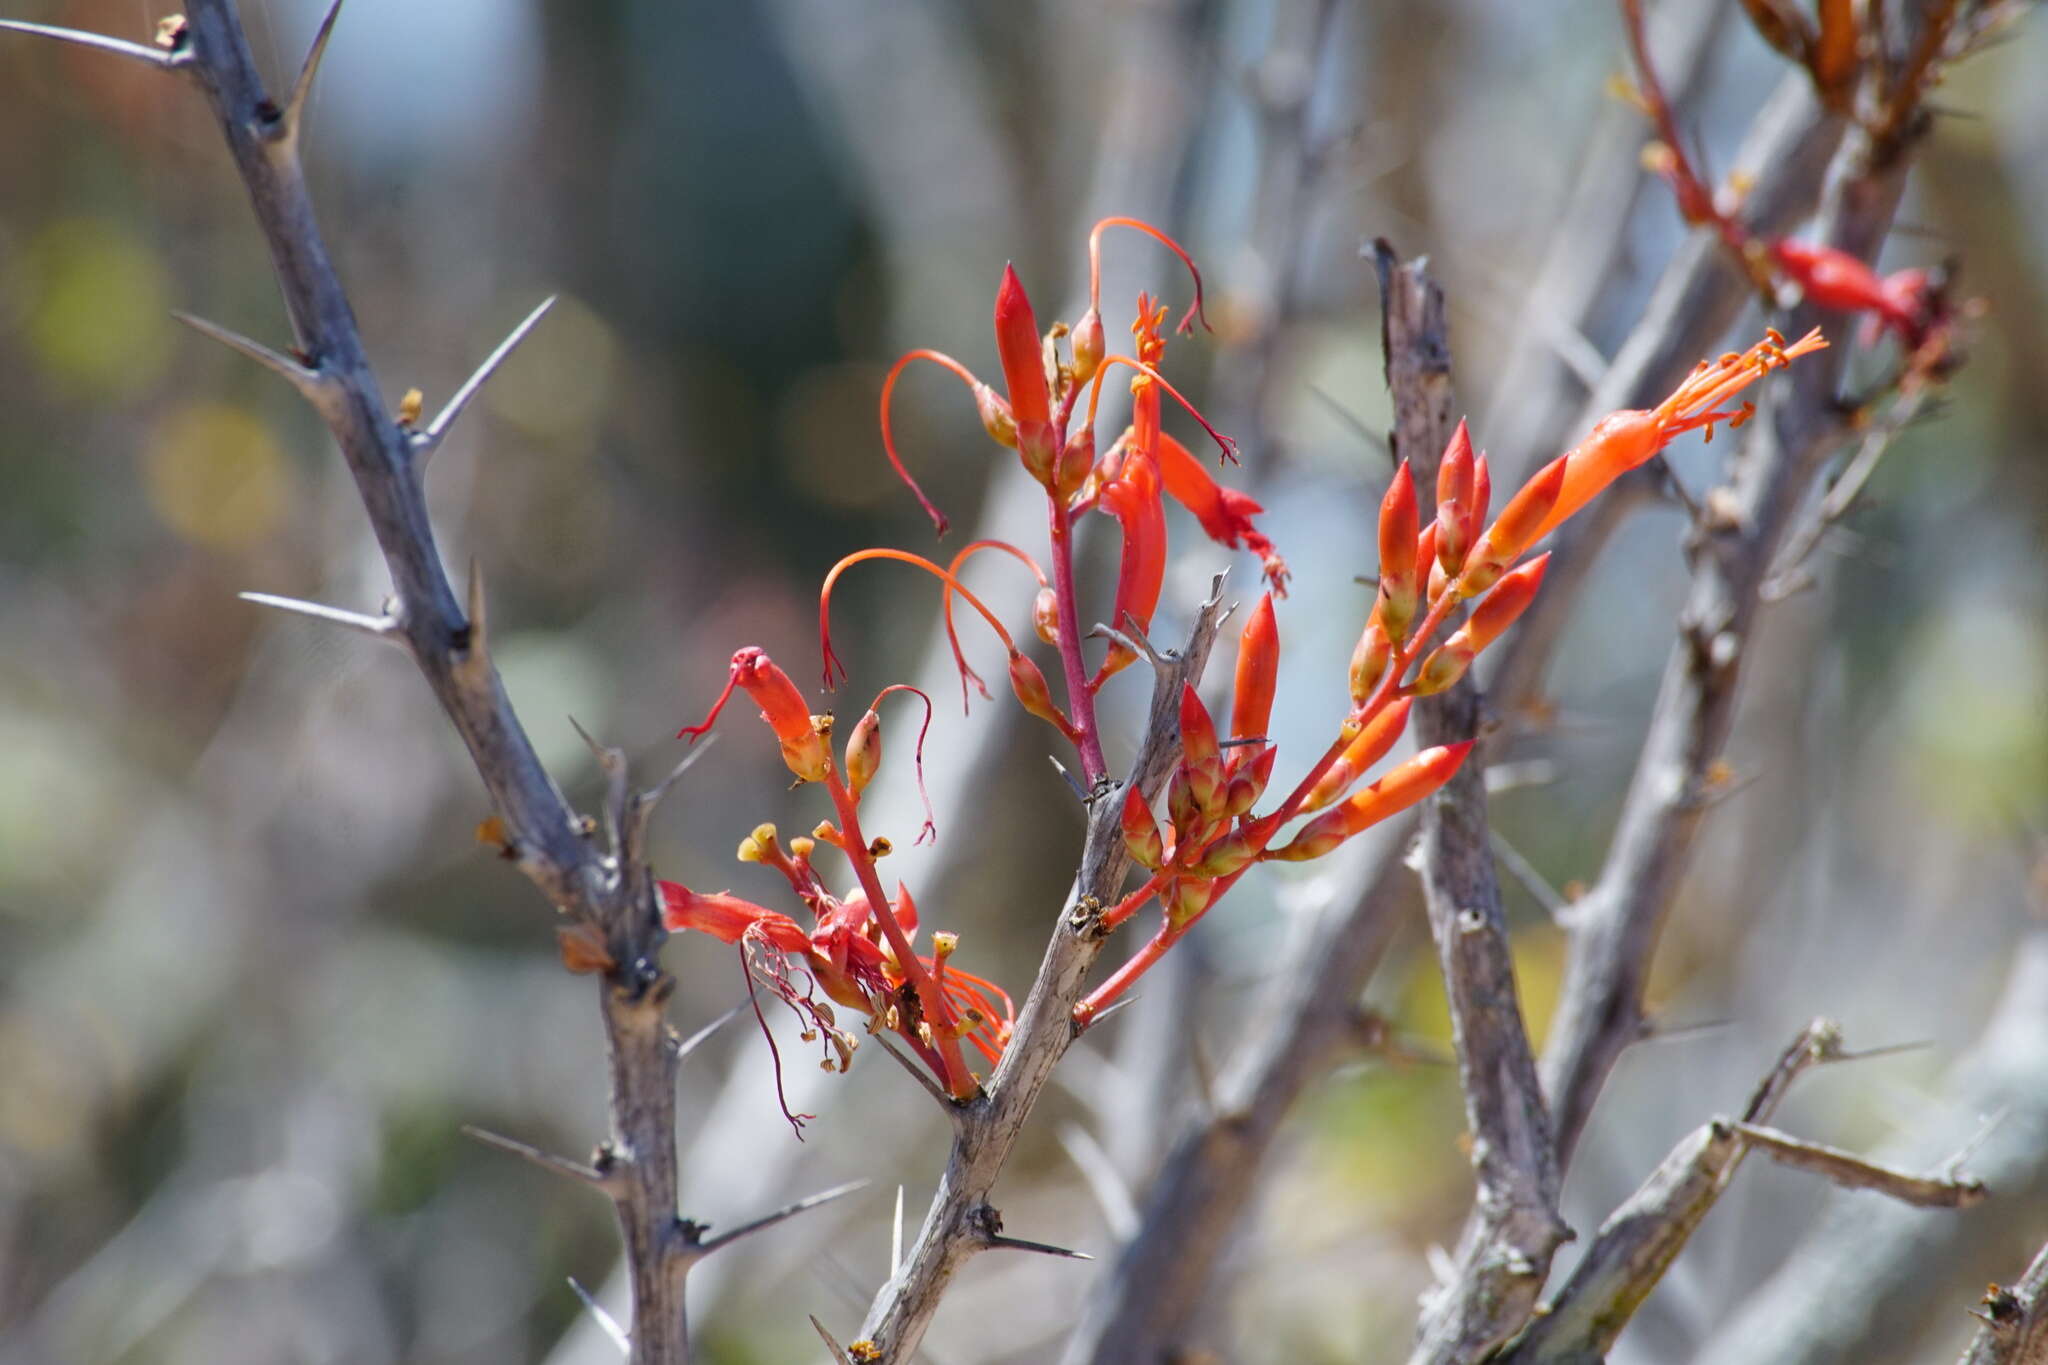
{"x": 1466, "y": 560}
{"x": 1912, "y": 305}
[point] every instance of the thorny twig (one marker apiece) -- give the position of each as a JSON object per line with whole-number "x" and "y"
{"x": 987, "y": 1127}
{"x": 1640, "y": 1239}
{"x": 606, "y": 895}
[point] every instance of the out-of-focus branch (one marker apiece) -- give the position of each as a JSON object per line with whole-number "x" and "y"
{"x": 961, "y": 1221}
{"x": 2015, "y": 1330}
{"x": 1508, "y": 1246}
{"x": 1862, "y": 1276}
{"x": 1640, "y": 1239}
{"x": 1615, "y": 927}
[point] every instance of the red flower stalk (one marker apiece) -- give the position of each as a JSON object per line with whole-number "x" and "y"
{"x": 1022, "y": 351}
{"x": 1400, "y": 583}
{"x": 1375, "y": 739}
{"x": 782, "y": 706}
{"x": 1392, "y": 794}
{"x": 1258, "y": 672}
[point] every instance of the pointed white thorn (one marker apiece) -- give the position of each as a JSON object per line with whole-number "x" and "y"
{"x": 310, "y": 383}
{"x": 697, "y": 1039}
{"x": 605, "y": 1321}
{"x": 377, "y": 627}
{"x": 120, "y": 47}
{"x": 769, "y": 1220}
{"x": 426, "y": 442}
{"x": 896, "y": 1238}
{"x": 838, "y": 1352}
{"x": 302, "y": 88}
{"x": 547, "y": 1161}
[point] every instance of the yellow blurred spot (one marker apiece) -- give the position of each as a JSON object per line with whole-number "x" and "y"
{"x": 216, "y": 476}
{"x": 409, "y": 407}
{"x": 97, "y": 316}
{"x": 560, "y": 378}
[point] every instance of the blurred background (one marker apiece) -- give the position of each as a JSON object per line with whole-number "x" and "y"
{"x": 256, "y": 973}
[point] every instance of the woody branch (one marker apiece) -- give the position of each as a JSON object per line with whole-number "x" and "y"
{"x": 605, "y": 892}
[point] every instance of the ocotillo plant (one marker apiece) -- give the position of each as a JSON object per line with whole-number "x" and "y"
{"x": 1210, "y": 796}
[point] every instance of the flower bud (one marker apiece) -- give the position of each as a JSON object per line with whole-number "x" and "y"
{"x": 1141, "y": 830}
{"x": 863, "y": 752}
{"x": 1077, "y": 462}
{"x": 1258, "y": 668}
{"x": 1371, "y": 744}
{"x": 1227, "y": 855}
{"x": 995, "y": 416}
{"x": 1395, "y": 792}
{"x": 1045, "y": 616}
{"x": 1089, "y": 345}
{"x": 1369, "y": 661}
{"x": 1511, "y": 533}
{"x": 1197, "y": 730}
{"x": 1249, "y": 785}
{"x": 1400, "y": 583}
{"x": 1454, "y": 502}
{"x": 1028, "y": 682}
{"x": 1185, "y": 899}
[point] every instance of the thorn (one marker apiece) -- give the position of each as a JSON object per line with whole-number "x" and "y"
{"x": 640, "y": 810}
{"x": 1352, "y": 422}
{"x": 896, "y": 1238}
{"x": 1134, "y": 639}
{"x": 698, "y": 1039}
{"x": 120, "y": 47}
{"x": 769, "y": 1220}
{"x": 607, "y": 758}
{"x": 838, "y": 1352}
{"x": 302, "y": 88}
{"x": 426, "y": 442}
{"x": 1071, "y": 781}
{"x": 998, "y": 1242}
{"x": 547, "y": 1161}
{"x": 311, "y": 384}
{"x": 1888, "y": 1050}
{"x": 917, "y": 1073}
{"x": 377, "y": 627}
{"x": 605, "y": 1321}
{"x": 1525, "y": 874}
{"x": 1102, "y": 1014}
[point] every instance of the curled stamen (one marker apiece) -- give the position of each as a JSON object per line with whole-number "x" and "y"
{"x": 1223, "y": 443}
{"x": 930, "y": 830}
{"x": 967, "y": 674}
{"x": 832, "y": 661}
{"x": 1095, "y": 267}
{"x": 974, "y": 386}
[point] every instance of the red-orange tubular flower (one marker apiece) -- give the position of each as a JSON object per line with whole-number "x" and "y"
{"x": 1392, "y": 794}
{"x": 1224, "y": 513}
{"x": 1023, "y": 357}
{"x": 1258, "y": 672}
{"x": 1400, "y": 579}
{"x": 1457, "y": 521}
{"x": 1375, "y": 739}
{"x": 1132, "y": 497}
{"x": 782, "y": 706}
{"x": 1834, "y": 279}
